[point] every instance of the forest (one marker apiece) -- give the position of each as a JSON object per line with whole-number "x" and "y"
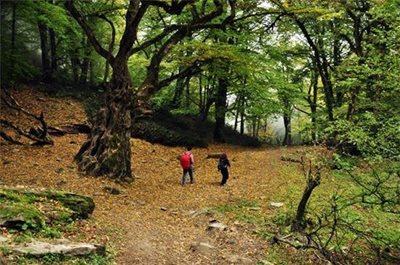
{"x": 100, "y": 99}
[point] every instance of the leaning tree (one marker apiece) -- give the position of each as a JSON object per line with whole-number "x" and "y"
{"x": 108, "y": 151}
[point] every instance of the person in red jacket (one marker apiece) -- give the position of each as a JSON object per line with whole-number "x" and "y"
{"x": 187, "y": 163}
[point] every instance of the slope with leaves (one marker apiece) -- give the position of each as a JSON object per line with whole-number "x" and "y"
{"x": 152, "y": 221}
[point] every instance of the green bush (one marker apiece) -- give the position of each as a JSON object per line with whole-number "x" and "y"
{"x": 156, "y": 133}
{"x": 368, "y": 136}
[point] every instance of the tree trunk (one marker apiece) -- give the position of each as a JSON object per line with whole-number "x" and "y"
{"x": 108, "y": 150}
{"x": 220, "y": 110}
{"x": 13, "y": 35}
{"x": 206, "y": 109}
{"x": 75, "y": 68}
{"x": 180, "y": 86}
{"x": 208, "y": 99}
{"x": 43, "y": 30}
{"x": 53, "y": 51}
{"x": 312, "y": 101}
{"x": 237, "y": 104}
{"x": 287, "y": 140}
{"x": 243, "y": 103}
{"x": 312, "y": 182}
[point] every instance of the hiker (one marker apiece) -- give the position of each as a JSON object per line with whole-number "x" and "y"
{"x": 187, "y": 163}
{"x": 223, "y": 164}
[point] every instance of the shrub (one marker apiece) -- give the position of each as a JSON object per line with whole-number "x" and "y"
{"x": 156, "y": 133}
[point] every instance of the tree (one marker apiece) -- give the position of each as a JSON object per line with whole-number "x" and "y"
{"x": 108, "y": 150}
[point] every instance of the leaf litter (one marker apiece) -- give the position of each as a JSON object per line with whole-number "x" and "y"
{"x": 153, "y": 220}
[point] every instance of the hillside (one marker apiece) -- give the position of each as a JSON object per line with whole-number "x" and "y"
{"x": 156, "y": 220}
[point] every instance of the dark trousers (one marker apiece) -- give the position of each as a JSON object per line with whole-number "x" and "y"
{"x": 225, "y": 176}
{"x": 185, "y": 171}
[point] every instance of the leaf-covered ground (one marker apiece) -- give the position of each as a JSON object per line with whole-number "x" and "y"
{"x": 155, "y": 220}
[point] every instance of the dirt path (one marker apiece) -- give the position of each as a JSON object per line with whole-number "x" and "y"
{"x": 156, "y": 220}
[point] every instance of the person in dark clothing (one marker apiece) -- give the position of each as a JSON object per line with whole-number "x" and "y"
{"x": 223, "y": 165}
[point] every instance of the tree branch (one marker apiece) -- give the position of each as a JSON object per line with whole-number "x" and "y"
{"x": 175, "y": 8}
{"x": 69, "y": 5}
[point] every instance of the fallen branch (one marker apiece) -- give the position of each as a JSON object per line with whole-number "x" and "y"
{"x": 214, "y": 155}
{"x": 29, "y": 135}
{"x": 40, "y": 135}
{"x": 9, "y": 138}
{"x": 69, "y": 129}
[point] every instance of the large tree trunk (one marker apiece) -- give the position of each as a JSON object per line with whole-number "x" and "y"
{"x": 108, "y": 150}
{"x": 43, "y": 32}
{"x": 53, "y": 51}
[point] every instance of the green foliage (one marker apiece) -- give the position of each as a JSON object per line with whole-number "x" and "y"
{"x": 370, "y": 137}
{"x": 51, "y": 259}
{"x": 283, "y": 218}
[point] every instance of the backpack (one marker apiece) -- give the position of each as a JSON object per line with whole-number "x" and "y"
{"x": 221, "y": 164}
{"x": 185, "y": 160}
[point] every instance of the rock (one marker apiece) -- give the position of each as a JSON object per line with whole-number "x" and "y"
{"x": 38, "y": 248}
{"x": 58, "y": 159}
{"x": 202, "y": 247}
{"x": 82, "y": 206}
{"x": 163, "y": 209}
{"x": 215, "y": 225}
{"x": 254, "y": 208}
{"x": 13, "y": 223}
{"x": 112, "y": 190}
{"x": 276, "y": 204}
{"x": 265, "y": 262}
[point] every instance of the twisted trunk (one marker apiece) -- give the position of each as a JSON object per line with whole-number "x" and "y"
{"x": 108, "y": 150}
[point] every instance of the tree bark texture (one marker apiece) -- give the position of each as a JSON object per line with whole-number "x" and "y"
{"x": 108, "y": 149}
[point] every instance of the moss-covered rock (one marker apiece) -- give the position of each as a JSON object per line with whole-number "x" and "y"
{"x": 69, "y": 205}
{"x": 82, "y": 206}
{"x": 21, "y": 216}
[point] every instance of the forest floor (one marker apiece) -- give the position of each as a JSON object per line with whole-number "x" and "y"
{"x": 155, "y": 220}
